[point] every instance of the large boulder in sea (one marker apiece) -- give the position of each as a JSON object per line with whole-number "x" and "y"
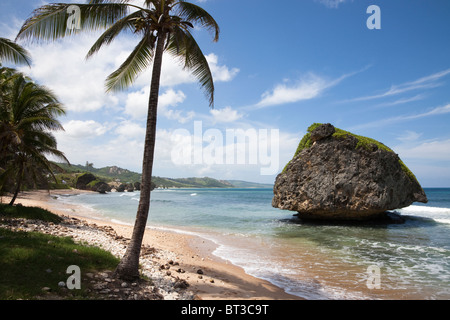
{"x": 336, "y": 175}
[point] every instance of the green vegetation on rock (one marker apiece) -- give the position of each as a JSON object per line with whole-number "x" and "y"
{"x": 363, "y": 142}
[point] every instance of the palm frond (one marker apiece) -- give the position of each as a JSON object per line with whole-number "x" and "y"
{"x": 27, "y": 118}
{"x": 195, "y": 14}
{"x": 50, "y": 22}
{"x": 109, "y": 35}
{"x": 107, "y": 1}
{"x": 137, "y": 62}
{"x": 12, "y": 52}
{"x": 183, "y": 46}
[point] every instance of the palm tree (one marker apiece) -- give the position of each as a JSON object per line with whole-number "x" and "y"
{"x": 162, "y": 26}
{"x": 11, "y": 51}
{"x": 27, "y": 115}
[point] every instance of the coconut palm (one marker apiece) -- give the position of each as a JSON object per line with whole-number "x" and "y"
{"x": 162, "y": 26}
{"x": 27, "y": 116}
{"x": 12, "y": 52}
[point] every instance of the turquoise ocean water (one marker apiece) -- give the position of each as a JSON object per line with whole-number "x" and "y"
{"x": 325, "y": 261}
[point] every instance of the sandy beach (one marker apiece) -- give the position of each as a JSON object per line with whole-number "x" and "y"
{"x": 220, "y": 280}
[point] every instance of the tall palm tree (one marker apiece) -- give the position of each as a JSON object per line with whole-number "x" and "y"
{"x": 162, "y": 26}
{"x": 27, "y": 115}
{"x": 12, "y": 52}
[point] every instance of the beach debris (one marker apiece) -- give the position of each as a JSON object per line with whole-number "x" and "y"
{"x": 337, "y": 175}
{"x": 181, "y": 284}
{"x": 164, "y": 266}
{"x": 200, "y": 271}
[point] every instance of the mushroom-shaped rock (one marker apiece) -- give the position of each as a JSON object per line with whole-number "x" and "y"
{"x": 337, "y": 175}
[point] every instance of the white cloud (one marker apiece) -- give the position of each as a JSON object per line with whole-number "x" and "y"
{"x": 233, "y": 153}
{"x": 383, "y": 122}
{"x": 137, "y": 105}
{"x": 121, "y": 148}
{"x": 431, "y": 175}
{"x": 409, "y": 136}
{"x": 437, "y": 150}
{"x": 124, "y": 147}
{"x": 332, "y": 3}
{"x": 226, "y": 114}
{"x": 84, "y": 129}
{"x": 309, "y": 87}
{"x": 78, "y": 83}
{"x": 171, "y": 98}
{"x": 305, "y": 89}
{"x": 433, "y": 112}
{"x": 220, "y": 73}
{"x": 179, "y": 115}
{"x": 403, "y": 100}
{"x": 426, "y": 82}
{"x": 9, "y": 30}
{"x": 173, "y": 74}
{"x": 131, "y": 130}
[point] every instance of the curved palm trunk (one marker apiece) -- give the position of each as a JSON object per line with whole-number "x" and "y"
{"x": 128, "y": 268}
{"x": 19, "y": 184}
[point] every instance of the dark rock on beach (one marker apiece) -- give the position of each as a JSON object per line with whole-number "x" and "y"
{"x": 84, "y": 180}
{"x": 336, "y": 175}
{"x": 90, "y": 182}
{"x": 101, "y": 187}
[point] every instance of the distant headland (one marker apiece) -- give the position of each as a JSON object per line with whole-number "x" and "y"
{"x": 109, "y": 178}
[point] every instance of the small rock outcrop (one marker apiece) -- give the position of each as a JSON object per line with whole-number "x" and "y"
{"x": 337, "y": 175}
{"x": 84, "y": 180}
{"x": 88, "y": 181}
{"x": 101, "y": 187}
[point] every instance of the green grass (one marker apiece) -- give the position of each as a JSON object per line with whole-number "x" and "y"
{"x": 28, "y": 213}
{"x": 30, "y": 261}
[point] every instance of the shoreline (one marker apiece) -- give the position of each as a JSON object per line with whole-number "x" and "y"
{"x": 209, "y": 276}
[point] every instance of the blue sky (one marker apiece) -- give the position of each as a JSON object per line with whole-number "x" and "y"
{"x": 278, "y": 66}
